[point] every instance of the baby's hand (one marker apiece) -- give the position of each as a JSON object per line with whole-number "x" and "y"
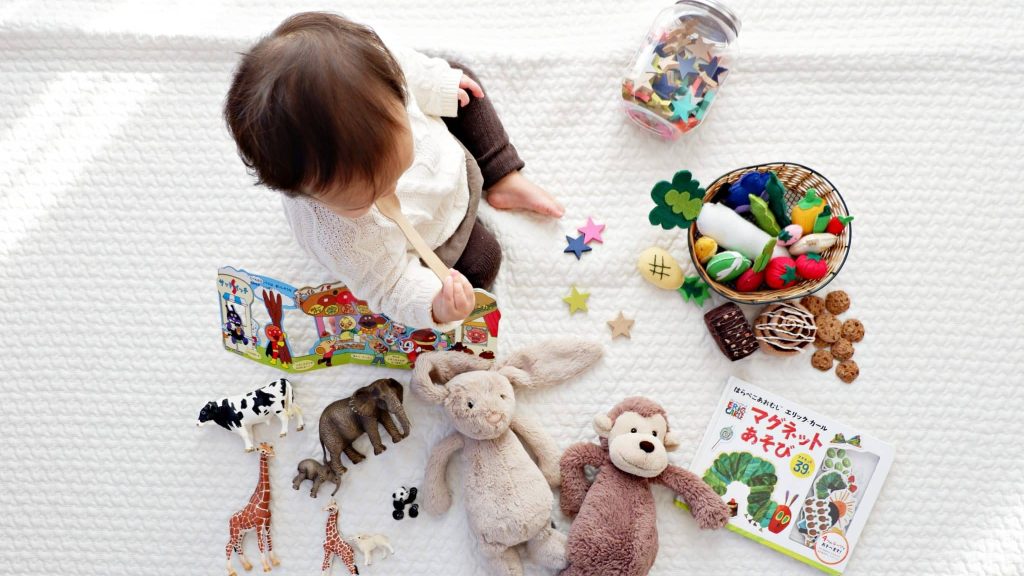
{"x": 469, "y": 84}
{"x": 455, "y": 300}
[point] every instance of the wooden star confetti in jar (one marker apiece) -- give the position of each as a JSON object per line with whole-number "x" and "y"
{"x": 678, "y": 71}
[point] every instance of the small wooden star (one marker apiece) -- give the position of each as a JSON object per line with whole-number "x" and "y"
{"x": 576, "y": 246}
{"x": 591, "y": 232}
{"x": 701, "y": 49}
{"x": 576, "y": 300}
{"x": 681, "y": 107}
{"x": 621, "y": 326}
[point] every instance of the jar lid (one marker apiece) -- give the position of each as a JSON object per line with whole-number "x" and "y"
{"x": 719, "y": 11}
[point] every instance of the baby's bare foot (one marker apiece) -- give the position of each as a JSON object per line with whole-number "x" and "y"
{"x": 516, "y": 192}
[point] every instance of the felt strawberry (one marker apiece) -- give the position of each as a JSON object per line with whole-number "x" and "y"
{"x": 837, "y": 223}
{"x": 781, "y": 273}
{"x": 810, "y": 266}
{"x": 749, "y": 280}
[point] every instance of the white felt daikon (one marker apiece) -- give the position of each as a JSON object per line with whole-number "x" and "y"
{"x": 733, "y": 232}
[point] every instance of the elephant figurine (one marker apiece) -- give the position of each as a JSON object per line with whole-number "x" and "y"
{"x": 310, "y": 469}
{"x": 345, "y": 420}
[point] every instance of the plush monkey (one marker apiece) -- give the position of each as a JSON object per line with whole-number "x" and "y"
{"x": 615, "y": 531}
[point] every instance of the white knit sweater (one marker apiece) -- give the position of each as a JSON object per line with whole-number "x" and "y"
{"x": 369, "y": 253}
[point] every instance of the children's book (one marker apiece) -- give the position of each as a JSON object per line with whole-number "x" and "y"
{"x": 794, "y": 480}
{"x": 303, "y": 329}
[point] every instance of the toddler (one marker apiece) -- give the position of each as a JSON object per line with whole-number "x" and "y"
{"x": 324, "y": 112}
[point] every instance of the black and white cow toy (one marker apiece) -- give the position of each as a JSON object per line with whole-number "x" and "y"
{"x": 240, "y": 413}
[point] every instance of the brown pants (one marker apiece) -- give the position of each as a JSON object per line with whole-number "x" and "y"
{"x": 479, "y": 129}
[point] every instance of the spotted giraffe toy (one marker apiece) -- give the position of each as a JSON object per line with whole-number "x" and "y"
{"x": 255, "y": 516}
{"x": 335, "y": 545}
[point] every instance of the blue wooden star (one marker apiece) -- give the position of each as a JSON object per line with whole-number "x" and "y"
{"x": 712, "y": 69}
{"x": 665, "y": 85}
{"x": 576, "y": 246}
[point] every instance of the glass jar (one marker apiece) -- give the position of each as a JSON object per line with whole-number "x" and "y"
{"x": 675, "y": 76}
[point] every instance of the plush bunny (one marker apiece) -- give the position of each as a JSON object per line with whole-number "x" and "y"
{"x": 508, "y": 498}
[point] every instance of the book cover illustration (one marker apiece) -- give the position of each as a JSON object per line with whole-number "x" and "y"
{"x": 310, "y": 328}
{"x": 795, "y": 481}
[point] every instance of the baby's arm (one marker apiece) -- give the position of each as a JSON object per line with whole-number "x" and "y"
{"x": 433, "y": 82}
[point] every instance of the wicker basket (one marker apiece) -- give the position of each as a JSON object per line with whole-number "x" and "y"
{"x": 797, "y": 180}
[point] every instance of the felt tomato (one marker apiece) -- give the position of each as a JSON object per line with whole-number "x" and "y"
{"x": 837, "y": 223}
{"x": 780, "y": 273}
{"x": 811, "y": 267}
{"x": 749, "y": 281}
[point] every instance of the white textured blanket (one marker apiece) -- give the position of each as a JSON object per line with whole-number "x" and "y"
{"x": 120, "y": 195}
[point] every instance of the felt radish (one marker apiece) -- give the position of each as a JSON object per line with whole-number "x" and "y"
{"x": 811, "y": 267}
{"x": 780, "y": 273}
{"x": 749, "y": 281}
{"x": 790, "y": 235}
{"x": 837, "y": 224}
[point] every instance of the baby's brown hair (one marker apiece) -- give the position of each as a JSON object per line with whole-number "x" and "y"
{"x": 312, "y": 105}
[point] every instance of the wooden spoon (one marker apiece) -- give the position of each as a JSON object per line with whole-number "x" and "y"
{"x": 391, "y": 207}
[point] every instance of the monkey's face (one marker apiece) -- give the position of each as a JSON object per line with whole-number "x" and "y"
{"x": 637, "y": 445}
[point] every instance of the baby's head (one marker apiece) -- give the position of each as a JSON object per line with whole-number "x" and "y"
{"x": 318, "y": 108}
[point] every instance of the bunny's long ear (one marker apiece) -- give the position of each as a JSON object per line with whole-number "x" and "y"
{"x": 550, "y": 363}
{"x": 434, "y": 369}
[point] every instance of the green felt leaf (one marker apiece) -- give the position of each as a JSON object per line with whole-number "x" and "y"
{"x": 784, "y": 235}
{"x": 684, "y": 204}
{"x": 789, "y": 275}
{"x": 766, "y": 255}
{"x": 677, "y": 203}
{"x": 813, "y": 256}
{"x": 763, "y": 216}
{"x": 777, "y": 200}
{"x": 810, "y": 199}
{"x": 822, "y": 220}
{"x": 695, "y": 289}
{"x": 844, "y": 220}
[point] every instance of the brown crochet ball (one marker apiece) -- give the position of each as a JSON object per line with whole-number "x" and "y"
{"x": 853, "y": 330}
{"x": 822, "y": 360}
{"x": 829, "y": 327}
{"x": 837, "y": 302}
{"x": 814, "y": 304}
{"x": 842, "y": 349}
{"x": 847, "y": 370}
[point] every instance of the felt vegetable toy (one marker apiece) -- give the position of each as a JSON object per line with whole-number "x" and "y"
{"x": 790, "y": 235}
{"x": 705, "y": 247}
{"x": 763, "y": 215}
{"x": 821, "y": 222}
{"x": 508, "y": 496}
{"x": 677, "y": 203}
{"x": 777, "y": 199}
{"x": 732, "y": 232}
{"x": 726, "y": 266}
{"x": 805, "y": 212}
{"x": 781, "y": 273}
{"x": 837, "y": 224}
{"x": 749, "y": 281}
{"x": 750, "y": 184}
{"x": 813, "y": 243}
{"x": 811, "y": 267}
{"x": 615, "y": 532}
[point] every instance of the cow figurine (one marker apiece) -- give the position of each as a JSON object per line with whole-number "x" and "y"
{"x": 239, "y": 413}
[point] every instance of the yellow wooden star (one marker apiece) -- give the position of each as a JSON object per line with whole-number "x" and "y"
{"x": 576, "y": 300}
{"x": 621, "y": 326}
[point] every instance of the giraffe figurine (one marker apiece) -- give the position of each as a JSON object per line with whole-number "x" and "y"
{"x": 335, "y": 545}
{"x": 255, "y": 515}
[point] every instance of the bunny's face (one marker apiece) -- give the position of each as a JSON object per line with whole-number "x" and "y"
{"x": 480, "y": 404}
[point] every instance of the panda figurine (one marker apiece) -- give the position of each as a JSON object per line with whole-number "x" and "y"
{"x": 400, "y": 499}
